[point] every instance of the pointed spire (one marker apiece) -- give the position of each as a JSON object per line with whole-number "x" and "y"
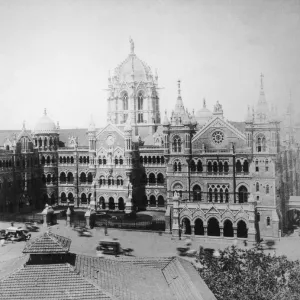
{"x": 131, "y": 45}
{"x": 179, "y": 90}
{"x": 45, "y": 112}
{"x": 24, "y": 128}
{"x": 92, "y": 126}
{"x": 261, "y": 81}
{"x": 57, "y": 125}
{"x": 204, "y": 103}
{"x": 166, "y": 120}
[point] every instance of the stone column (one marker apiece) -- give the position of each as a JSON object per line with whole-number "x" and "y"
{"x": 221, "y": 232}
{"x": 205, "y": 230}
{"x": 192, "y": 230}
{"x": 235, "y": 232}
{"x": 68, "y": 216}
{"x": 175, "y": 221}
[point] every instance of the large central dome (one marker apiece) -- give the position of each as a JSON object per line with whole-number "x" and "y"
{"x": 133, "y": 68}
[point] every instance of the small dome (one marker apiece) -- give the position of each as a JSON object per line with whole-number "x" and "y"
{"x": 204, "y": 114}
{"x": 45, "y": 125}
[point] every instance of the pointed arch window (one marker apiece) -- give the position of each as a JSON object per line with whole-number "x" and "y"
{"x": 261, "y": 143}
{"x": 125, "y": 101}
{"x": 196, "y": 193}
{"x": 193, "y": 166}
{"x": 176, "y": 144}
{"x": 199, "y": 166}
{"x": 267, "y": 189}
{"x": 257, "y": 186}
{"x": 140, "y": 101}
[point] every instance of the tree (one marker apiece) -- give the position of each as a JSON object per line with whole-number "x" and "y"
{"x": 250, "y": 275}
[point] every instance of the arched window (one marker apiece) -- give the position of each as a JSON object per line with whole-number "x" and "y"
{"x": 193, "y": 166}
{"x": 72, "y": 160}
{"x": 111, "y": 203}
{"x": 238, "y": 167}
{"x": 226, "y": 195}
{"x": 221, "y": 195}
{"x": 160, "y": 178}
{"x": 154, "y": 160}
{"x": 151, "y": 179}
{"x": 228, "y": 228}
{"x": 199, "y": 228}
{"x": 140, "y": 101}
{"x": 209, "y": 167}
{"x": 83, "y": 198}
{"x": 84, "y": 160}
{"x": 257, "y": 186}
{"x": 199, "y": 166}
{"x": 90, "y": 178}
{"x": 104, "y": 160}
{"x": 62, "y": 178}
{"x": 152, "y": 201}
{"x": 121, "y": 204}
{"x": 179, "y": 166}
{"x": 226, "y": 167}
{"x": 70, "y": 177}
{"x": 267, "y": 165}
{"x": 63, "y": 197}
{"x": 119, "y": 181}
{"x": 158, "y": 159}
{"x": 80, "y": 159}
{"x": 176, "y": 144}
{"x": 145, "y": 160}
{"x": 215, "y": 167}
{"x": 246, "y": 166}
{"x": 68, "y": 159}
{"x": 71, "y": 197}
{"x": 125, "y": 101}
{"x": 216, "y": 194}
{"x": 149, "y": 160}
{"x": 160, "y": 201}
{"x": 242, "y": 231}
{"x": 162, "y": 160}
{"x": 102, "y": 181}
{"x": 43, "y": 160}
{"x": 102, "y": 202}
{"x": 175, "y": 166}
{"x": 243, "y": 194}
{"x": 141, "y": 160}
{"x": 100, "y": 161}
{"x": 196, "y": 193}
{"x": 82, "y": 178}
{"x": 60, "y": 160}
{"x": 221, "y": 167}
{"x": 121, "y": 160}
{"x": 267, "y": 189}
{"x": 210, "y": 195}
{"x": 64, "y": 160}
{"x": 260, "y": 143}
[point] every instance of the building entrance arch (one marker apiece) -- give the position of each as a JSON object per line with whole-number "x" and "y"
{"x": 102, "y": 202}
{"x": 111, "y": 203}
{"x": 228, "y": 229}
{"x": 199, "y": 228}
{"x": 213, "y": 227}
{"x": 186, "y": 226}
{"x": 121, "y": 204}
{"x": 242, "y": 231}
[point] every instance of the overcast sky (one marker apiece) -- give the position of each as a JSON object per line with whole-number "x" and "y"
{"x": 57, "y": 54}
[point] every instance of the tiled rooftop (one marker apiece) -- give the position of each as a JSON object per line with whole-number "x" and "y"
{"x": 48, "y": 243}
{"x": 54, "y": 281}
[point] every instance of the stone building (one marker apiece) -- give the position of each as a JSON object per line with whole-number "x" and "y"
{"x": 211, "y": 176}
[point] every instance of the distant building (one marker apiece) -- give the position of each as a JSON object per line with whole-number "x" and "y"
{"x": 224, "y": 173}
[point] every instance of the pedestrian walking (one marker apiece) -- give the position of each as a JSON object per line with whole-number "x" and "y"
{"x": 105, "y": 229}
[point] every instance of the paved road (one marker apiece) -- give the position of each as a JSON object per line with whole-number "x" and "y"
{"x": 149, "y": 244}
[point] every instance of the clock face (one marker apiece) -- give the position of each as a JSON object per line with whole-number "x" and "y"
{"x": 110, "y": 140}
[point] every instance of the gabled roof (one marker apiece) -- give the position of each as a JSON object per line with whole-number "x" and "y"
{"x": 48, "y": 243}
{"x": 49, "y": 281}
{"x": 110, "y": 127}
{"x": 221, "y": 123}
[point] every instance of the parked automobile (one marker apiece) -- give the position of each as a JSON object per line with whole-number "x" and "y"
{"x": 17, "y": 234}
{"x": 112, "y": 247}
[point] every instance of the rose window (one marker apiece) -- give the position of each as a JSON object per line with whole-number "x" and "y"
{"x": 218, "y": 137}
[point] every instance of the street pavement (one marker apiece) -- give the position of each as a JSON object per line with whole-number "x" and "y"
{"x": 150, "y": 244}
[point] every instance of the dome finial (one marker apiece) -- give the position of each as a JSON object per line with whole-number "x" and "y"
{"x": 261, "y": 81}
{"x": 45, "y": 112}
{"x": 131, "y": 45}
{"x": 24, "y": 128}
{"x": 204, "y": 103}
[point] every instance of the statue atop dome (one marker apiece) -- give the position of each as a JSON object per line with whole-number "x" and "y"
{"x": 131, "y": 45}
{"x": 218, "y": 107}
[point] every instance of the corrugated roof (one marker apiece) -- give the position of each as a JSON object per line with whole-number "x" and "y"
{"x": 48, "y": 243}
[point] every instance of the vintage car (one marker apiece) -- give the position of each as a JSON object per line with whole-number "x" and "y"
{"x": 112, "y": 247}
{"x": 17, "y": 234}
